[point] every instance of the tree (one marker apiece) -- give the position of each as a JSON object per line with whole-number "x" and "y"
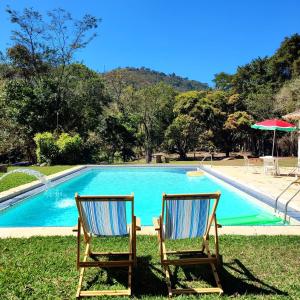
{"x": 152, "y": 109}
{"x": 44, "y": 90}
{"x": 34, "y": 106}
{"x": 238, "y": 128}
{"x": 84, "y": 102}
{"x": 53, "y": 41}
{"x": 286, "y": 61}
{"x": 219, "y": 115}
{"x": 259, "y": 81}
{"x": 223, "y": 81}
{"x": 42, "y": 44}
{"x": 45, "y": 47}
{"x": 116, "y": 138}
{"x": 288, "y": 97}
{"x": 116, "y": 83}
{"x": 182, "y": 135}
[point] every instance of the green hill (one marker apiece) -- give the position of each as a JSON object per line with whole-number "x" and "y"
{"x": 139, "y": 77}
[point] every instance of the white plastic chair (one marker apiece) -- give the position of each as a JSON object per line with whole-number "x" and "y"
{"x": 271, "y": 165}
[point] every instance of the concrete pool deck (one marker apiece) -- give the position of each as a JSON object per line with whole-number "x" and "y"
{"x": 254, "y": 178}
{"x": 270, "y": 185}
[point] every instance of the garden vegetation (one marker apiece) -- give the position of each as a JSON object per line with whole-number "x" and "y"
{"x": 54, "y": 109}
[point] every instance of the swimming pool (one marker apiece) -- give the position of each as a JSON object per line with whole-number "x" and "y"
{"x": 56, "y": 206}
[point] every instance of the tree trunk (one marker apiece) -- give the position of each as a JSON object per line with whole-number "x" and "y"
{"x": 30, "y": 154}
{"x": 148, "y": 155}
{"x": 148, "y": 144}
{"x": 182, "y": 155}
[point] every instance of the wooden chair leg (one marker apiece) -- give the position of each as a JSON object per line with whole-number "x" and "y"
{"x": 129, "y": 279}
{"x": 81, "y": 274}
{"x": 82, "y": 269}
{"x": 216, "y": 276}
{"x": 216, "y": 238}
{"x": 134, "y": 242}
{"x": 168, "y": 279}
{"x": 78, "y": 243}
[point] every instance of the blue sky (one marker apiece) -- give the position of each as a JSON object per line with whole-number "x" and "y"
{"x": 194, "y": 39}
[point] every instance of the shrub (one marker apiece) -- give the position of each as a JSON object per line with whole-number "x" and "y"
{"x": 67, "y": 149}
{"x": 91, "y": 148}
{"x": 70, "y": 148}
{"x": 46, "y": 148}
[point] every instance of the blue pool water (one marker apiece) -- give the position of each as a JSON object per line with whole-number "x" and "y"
{"x": 56, "y": 207}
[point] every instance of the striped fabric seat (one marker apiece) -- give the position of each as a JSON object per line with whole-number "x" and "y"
{"x": 105, "y": 218}
{"x": 186, "y": 218}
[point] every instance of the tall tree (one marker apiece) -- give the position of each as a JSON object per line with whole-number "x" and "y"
{"x": 153, "y": 108}
{"x": 286, "y": 60}
{"x": 47, "y": 44}
{"x": 41, "y": 93}
{"x": 288, "y": 97}
{"x": 182, "y": 135}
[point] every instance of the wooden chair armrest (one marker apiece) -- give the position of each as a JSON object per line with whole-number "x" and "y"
{"x": 137, "y": 224}
{"x": 156, "y": 223}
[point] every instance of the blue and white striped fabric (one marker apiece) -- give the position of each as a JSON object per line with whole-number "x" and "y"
{"x": 105, "y": 218}
{"x": 186, "y": 218}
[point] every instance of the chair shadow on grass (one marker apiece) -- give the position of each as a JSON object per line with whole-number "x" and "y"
{"x": 235, "y": 278}
{"x": 244, "y": 281}
{"x": 114, "y": 275}
{"x": 149, "y": 279}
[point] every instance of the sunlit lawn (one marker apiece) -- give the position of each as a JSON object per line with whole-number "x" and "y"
{"x": 17, "y": 179}
{"x": 257, "y": 267}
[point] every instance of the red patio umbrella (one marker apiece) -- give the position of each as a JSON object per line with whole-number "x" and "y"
{"x": 274, "y": 124}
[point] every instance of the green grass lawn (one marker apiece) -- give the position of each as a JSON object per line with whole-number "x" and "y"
{"x": 257, "y": 267}
{"x": 17, "y": 179}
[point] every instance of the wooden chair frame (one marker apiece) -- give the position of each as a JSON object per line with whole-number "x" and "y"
{"x": 130, "y": 262}
{"x": 210, "y": 259}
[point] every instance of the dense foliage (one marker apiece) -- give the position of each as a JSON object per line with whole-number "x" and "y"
{"x": 55, "y": 110}
{"x": 51, "y": 149}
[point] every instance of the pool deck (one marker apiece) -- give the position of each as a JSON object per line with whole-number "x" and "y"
{"x": 267, "y": 185}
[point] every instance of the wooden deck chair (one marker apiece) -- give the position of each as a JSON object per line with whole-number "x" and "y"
{"x": 105, "y": 216}
{"x": 188, "y": 216}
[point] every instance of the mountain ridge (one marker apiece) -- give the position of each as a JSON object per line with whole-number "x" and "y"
{"x": 140, "y": 77}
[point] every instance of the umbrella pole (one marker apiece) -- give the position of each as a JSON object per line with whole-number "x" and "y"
{"x": 273, "y": 142}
